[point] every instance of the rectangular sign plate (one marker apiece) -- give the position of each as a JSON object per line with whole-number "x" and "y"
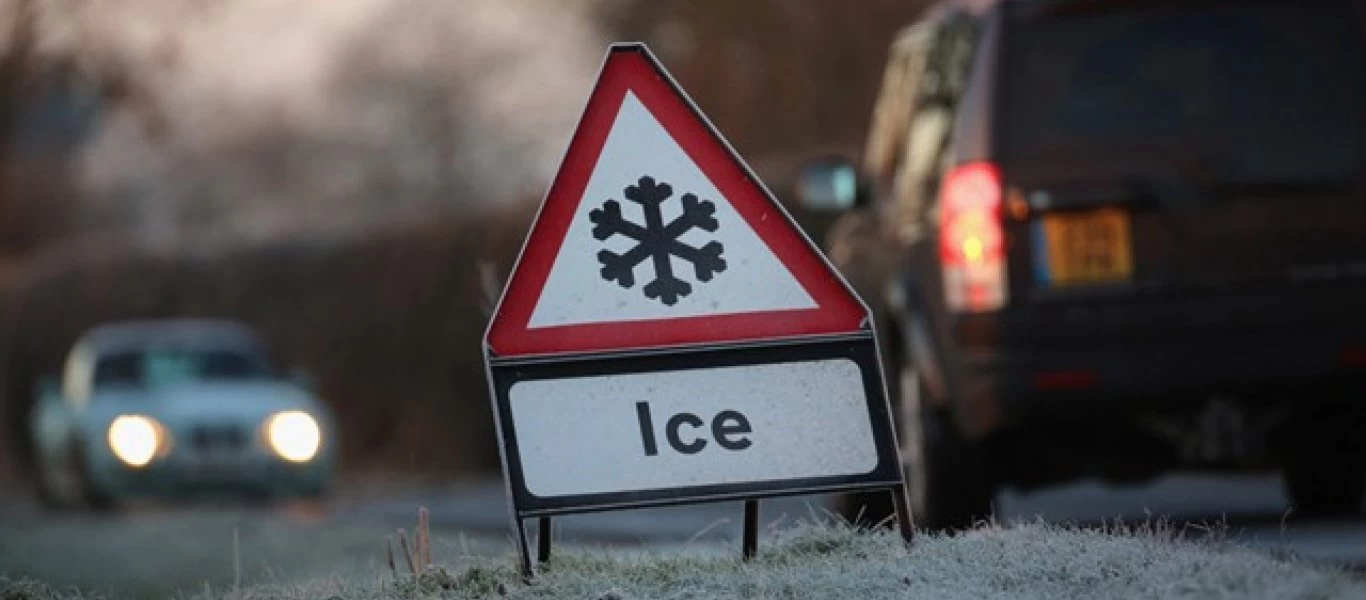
{"x": 583, "y": 434}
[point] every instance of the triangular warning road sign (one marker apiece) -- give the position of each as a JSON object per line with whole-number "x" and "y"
{"x": 655, "y": 233}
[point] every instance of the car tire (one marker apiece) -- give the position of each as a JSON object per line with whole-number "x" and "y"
{"x": 60, "y": 484}
{"x": 1324, "y": 488}
{"x": 48, "y": 495}
{"x": 91, "y": 497}
{"x": 947, "y": 475}
{"x": 947, "y": 480}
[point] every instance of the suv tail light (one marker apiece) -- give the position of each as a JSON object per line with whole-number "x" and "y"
{"x": 971, "y": 241}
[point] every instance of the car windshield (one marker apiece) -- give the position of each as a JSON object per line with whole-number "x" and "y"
{"x": 166, "y": 366}
{"x": 1262, "y": 92}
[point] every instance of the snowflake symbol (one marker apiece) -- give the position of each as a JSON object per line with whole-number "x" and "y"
{"x": 657, "y": 241}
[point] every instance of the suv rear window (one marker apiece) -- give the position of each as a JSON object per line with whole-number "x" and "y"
{"x": 1262, "y": 92}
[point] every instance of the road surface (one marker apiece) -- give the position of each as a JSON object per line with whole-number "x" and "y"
{"x": 161, "y": 551}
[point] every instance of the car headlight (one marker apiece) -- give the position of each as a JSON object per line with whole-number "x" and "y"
{"x": 135, "y": 439}
{"x": 294, "y": 435}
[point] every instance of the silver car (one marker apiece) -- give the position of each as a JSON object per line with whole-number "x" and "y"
{"x": 171, "y": 408}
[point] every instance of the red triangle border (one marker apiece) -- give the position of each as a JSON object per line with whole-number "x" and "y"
{"x": 632, "y": 67}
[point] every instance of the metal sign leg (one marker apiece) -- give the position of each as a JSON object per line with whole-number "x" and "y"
{"x": 523, "y": 548}
{"x": 750, "y": 544}
{"x": 903, "y": 514}
{"x": 543, "y": 540}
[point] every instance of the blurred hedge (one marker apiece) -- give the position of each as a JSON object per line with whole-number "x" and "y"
{"x": 779, "y": 77}
{"x": 387, "y": 318}
{"x": 388, "y": 325}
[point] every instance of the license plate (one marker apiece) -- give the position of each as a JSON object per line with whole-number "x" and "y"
{"x": 1084, "y": 247}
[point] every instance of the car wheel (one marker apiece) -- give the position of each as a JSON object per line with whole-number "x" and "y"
{"x": 1323, "y": 487}
{"x": 947, "y": 475}
{"x": 90, "y": 495}
{"x": 59, "y": 484}
{"x": 46, "y": 489}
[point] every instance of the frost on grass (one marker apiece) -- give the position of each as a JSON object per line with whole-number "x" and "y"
{"x": 822, "y": 561}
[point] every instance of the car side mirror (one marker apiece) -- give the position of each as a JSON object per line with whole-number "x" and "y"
{"x": 830, "y": 185}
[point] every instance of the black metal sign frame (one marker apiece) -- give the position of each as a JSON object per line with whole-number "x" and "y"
{"x": 861, "y": 348}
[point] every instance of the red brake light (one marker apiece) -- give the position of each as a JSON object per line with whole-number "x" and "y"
{"x": 1064, "y": 380}
{"x": 1354, "y": 357}
{"x": 971, "y": 240}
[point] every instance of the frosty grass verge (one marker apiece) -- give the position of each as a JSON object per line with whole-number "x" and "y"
{"x": 825, "y": 561}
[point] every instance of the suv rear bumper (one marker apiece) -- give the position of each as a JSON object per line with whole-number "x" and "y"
{"x": 1047, "y": 383}
{"x": 1074, "y": 363}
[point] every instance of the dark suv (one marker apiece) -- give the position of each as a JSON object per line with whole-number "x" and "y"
{"x": 1115, "y": 238}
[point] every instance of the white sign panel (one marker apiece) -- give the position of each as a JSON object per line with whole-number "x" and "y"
{"x": 695, "y": 427}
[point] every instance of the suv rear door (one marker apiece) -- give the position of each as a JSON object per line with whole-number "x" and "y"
{"x": 1154, "y": 147}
